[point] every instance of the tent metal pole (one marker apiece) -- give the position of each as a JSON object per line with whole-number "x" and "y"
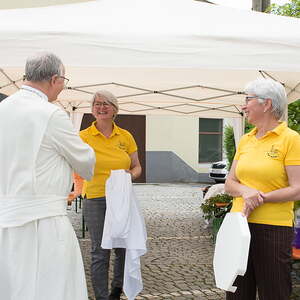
{"x": 90, "y": 85}
{"x": 12, "y": 82}
{"x": 293, "y": 89}
{"x": 199, "y": 100}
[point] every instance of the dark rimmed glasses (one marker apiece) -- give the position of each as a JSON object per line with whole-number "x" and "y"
{"x": 66, "y": 80}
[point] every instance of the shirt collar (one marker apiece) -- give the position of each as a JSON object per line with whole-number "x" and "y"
{"x": 34, "y": 91}
{"x": 252, "y": 132}
{"x": 277, "y": 130}
{"x": 280, "y": 128}
{"x": 95, "y": 131}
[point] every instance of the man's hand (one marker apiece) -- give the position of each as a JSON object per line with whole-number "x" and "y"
{"x": 71, "y": 198}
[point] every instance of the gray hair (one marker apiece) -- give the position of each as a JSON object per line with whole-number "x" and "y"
{"x": 108, "y": 96}
{"x": 269, "y": 89}
{"x": 42, "y": 67}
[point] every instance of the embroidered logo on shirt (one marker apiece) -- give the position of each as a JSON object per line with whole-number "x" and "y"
{"x": 273, "y": 153}
{"x": 122, "y": 146}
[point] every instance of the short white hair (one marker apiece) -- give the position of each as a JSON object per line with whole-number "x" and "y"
{"x": 43, "y": 66}
{"x": 109, "y": 97}
{"x": 266, "y": 88}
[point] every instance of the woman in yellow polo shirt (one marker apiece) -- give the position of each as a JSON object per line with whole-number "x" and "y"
{"x": 115, "y": 148}
{"x": 264, "y": 179}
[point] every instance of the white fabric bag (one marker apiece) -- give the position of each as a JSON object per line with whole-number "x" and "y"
{"x": 231, "y": 250}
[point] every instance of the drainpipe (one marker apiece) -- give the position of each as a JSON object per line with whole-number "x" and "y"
{"x": 260, "y": 5}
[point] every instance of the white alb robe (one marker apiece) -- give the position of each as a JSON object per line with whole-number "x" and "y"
{"x": 40, "y": 257}
{"x": 124, "y": 227}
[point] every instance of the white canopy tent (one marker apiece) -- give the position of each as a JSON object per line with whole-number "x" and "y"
{"x": 158, "y": 57}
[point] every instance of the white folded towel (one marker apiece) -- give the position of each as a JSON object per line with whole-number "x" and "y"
{"x": 124, "y": 227}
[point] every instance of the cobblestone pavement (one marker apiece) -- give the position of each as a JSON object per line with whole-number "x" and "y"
{"x": 178, "y": 264}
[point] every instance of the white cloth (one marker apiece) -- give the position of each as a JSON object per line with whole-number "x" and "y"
{"x": 124, "y": 227}
{"x": 40, "y": 257}
{"x": 215, "y": 190}
{"x": 118, "y": 216}
{"x": 17, "y": 211}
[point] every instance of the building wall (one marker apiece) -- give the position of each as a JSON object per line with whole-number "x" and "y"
{"x": 172, "y": 146}
{"x": 172, "y": 150}
{"x": 176, "y": 134}
{"x": 34, "y": 3}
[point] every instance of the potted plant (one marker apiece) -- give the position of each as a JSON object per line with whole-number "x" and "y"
{"x": 211, "y": 207}
{"x": 215, "y": 209}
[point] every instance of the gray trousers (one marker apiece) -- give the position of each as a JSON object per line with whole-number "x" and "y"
{"x": 94, "y": 215}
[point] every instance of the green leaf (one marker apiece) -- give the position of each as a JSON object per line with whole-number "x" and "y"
{"x": 209, "y": 208}
{"x": 294, "y": 115}
{"x": 290, "y": 9}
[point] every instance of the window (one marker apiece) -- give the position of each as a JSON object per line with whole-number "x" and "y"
{"x": 210, "y": 140}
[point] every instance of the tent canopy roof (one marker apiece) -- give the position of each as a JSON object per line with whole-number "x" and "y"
{"x": 158, "y": 57}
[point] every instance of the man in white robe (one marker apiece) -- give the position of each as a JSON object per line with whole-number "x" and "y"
{"x": 40, "y": 257}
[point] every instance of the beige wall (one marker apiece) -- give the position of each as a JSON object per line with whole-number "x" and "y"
{"x": 178, "y": 134}
{"x": 7, "y": 4}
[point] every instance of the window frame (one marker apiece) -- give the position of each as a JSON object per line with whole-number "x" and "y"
{"x": 220, "y": 134}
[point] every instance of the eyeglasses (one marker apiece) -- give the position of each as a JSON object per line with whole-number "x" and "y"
{"x": 66, "y": 80}
{"x": 249, "y": 98}
{"x": 99, "y": 104}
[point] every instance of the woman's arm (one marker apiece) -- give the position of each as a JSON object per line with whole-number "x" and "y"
{"x": 135, "y": 167}
{"x": 233, "y": 187}
{"x": 290, "y": 193}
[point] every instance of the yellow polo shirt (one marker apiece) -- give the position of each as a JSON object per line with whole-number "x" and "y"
{"x": 111, "y": 154}
{"x": 261, "y": 165}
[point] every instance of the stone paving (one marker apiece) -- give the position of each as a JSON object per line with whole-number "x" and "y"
{"x": 178, "y": 264}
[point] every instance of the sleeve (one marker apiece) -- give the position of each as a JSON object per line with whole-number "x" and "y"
{"x": 132, "y": 147}
{"x": 292, "y": 157}
{"x": 238, "y": 149}
{"x": 68, "y": 144}
{"x": 83, "y": 137}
